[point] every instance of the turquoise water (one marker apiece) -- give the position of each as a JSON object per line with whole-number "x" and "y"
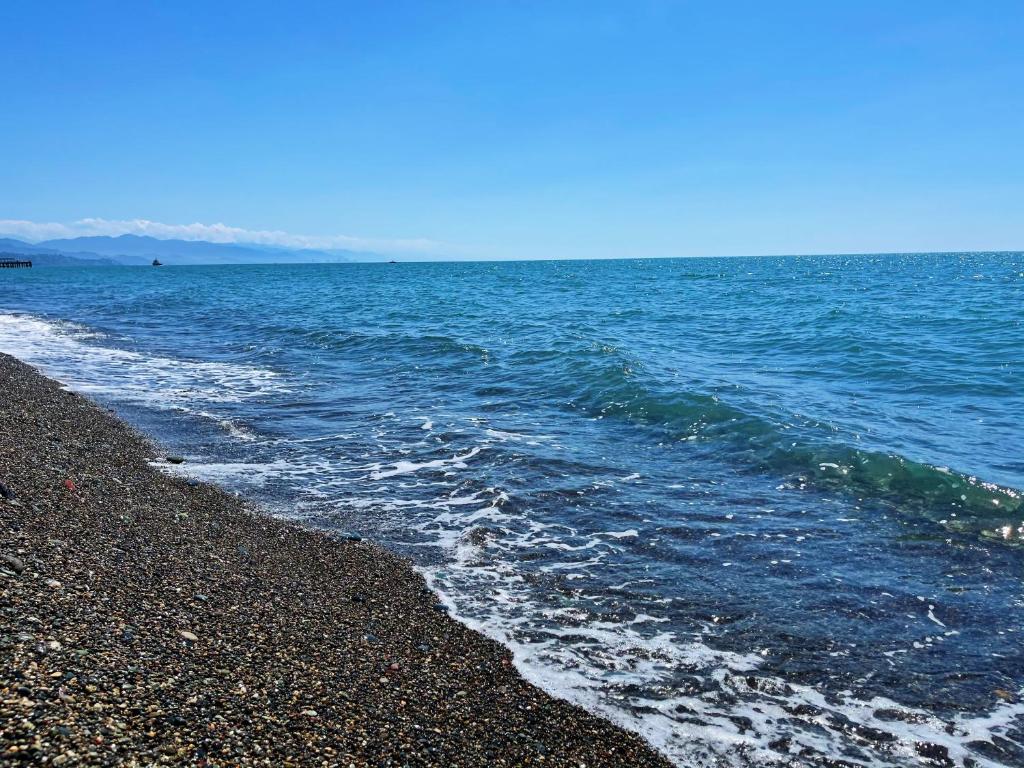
{"x": 760, "y": 510}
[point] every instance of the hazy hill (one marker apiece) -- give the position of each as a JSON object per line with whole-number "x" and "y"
{"x": 52, "y": 257}
{"x": 45, "y": 259}
{"x": 142, "y": 248}
{"x": 10, "y": 245}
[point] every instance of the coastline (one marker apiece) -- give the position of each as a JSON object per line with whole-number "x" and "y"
{"x": 147, "y": 619}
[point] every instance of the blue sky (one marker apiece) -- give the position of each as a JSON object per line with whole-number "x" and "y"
{"x": 521, "y": 129}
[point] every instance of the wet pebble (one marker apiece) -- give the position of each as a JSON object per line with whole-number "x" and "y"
{"x": 304, "y": 649}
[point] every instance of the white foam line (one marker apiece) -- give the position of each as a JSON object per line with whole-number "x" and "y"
{"x": 407, "y": 467}
{"x": 931, "y": 616}
{"x": 231, "y": 472}
{"x": 591, "y": 662}
{"x": 628, "y": 534}
{"x": 61, "y": 351}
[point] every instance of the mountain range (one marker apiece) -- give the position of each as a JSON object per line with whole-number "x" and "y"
{"x": 138, "y": 250}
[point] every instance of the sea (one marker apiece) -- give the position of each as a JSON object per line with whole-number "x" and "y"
{"x": 763, "y": 511}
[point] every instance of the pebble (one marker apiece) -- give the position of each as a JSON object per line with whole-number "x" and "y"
{"x": 290, "y": 670}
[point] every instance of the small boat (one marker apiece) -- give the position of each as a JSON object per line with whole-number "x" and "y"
{"x": 157, "y": 263}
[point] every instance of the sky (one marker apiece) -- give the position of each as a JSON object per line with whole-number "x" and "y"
{"x": 519, "y": 130}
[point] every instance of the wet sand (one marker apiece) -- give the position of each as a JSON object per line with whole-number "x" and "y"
{"x": 150, "y": 620}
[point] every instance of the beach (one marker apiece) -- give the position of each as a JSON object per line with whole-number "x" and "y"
{"x": 148, "y": 619}
{"x": 746, "y": 528}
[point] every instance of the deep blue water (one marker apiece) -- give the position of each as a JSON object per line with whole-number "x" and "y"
{"x": 757, "y": 509}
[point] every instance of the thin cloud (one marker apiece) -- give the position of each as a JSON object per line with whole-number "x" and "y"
{"x": 215, "y": 233}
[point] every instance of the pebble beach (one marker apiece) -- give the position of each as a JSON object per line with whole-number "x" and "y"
{"x": 147, "y": 619}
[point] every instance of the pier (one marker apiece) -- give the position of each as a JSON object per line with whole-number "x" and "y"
{"x": 6, "y": 262}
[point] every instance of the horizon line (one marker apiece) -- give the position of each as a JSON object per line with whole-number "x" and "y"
{"x": 849, "y": 254}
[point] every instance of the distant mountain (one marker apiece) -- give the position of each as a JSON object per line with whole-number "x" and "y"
{"x": 142, "y": 249}
{"x": 10, "y": 245}
{"x": 45, "y": 259}
{"x": 51, "y": 257}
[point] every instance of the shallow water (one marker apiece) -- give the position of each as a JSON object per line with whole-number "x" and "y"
{"x": 760, "y": 510}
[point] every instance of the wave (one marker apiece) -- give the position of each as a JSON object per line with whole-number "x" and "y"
{"x": 701, "y": 704}
{"x": 71, "y": 353}
{"x": 599, "y": 381}
{"x": 432, "y": 346}
{"x": 801, "y": 456}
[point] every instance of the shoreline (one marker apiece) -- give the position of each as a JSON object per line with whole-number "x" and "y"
{"x": 148, "y": 619}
